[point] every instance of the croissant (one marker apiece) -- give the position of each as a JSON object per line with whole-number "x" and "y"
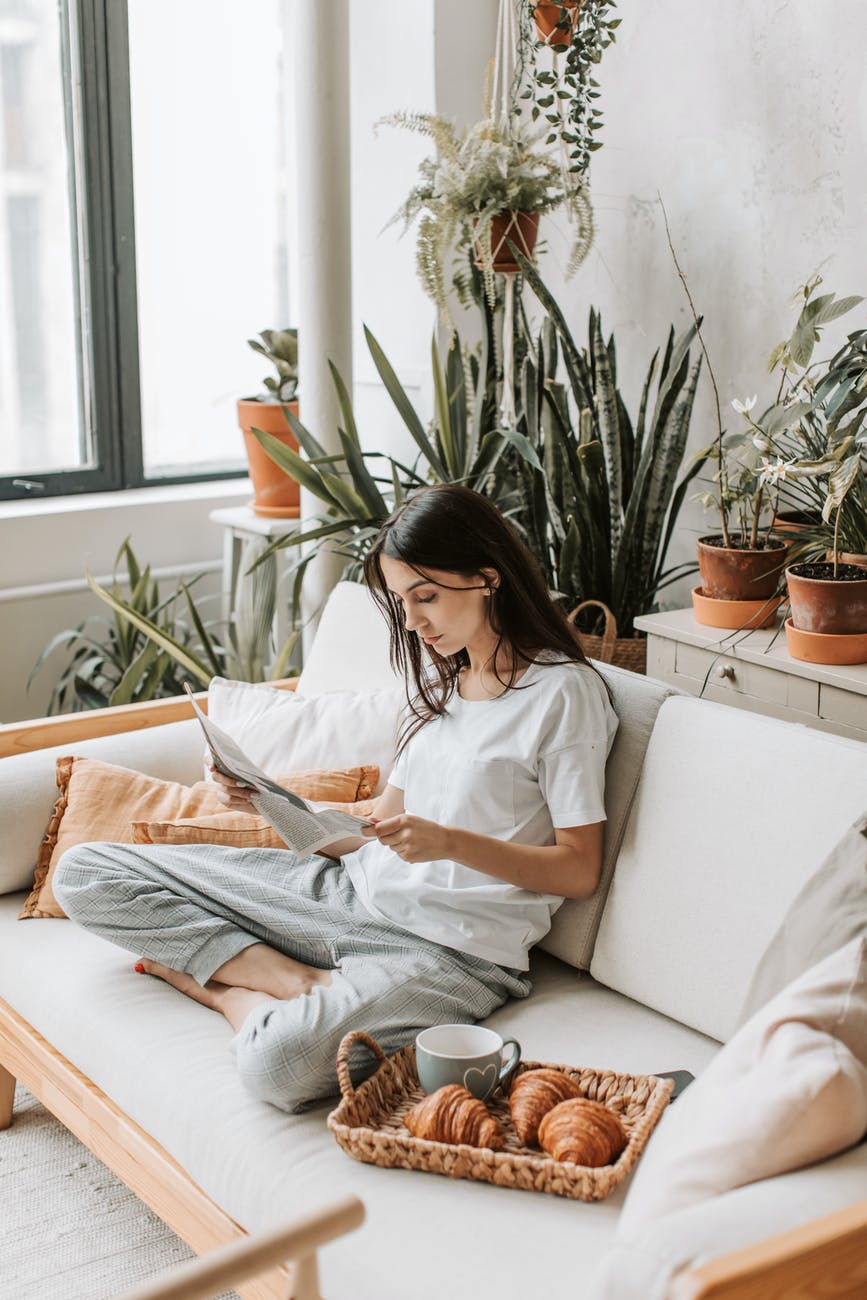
{"x": 583, "y": 1132}
{"x": 533, "y": 1094}
{"x": 452, "y": 1114}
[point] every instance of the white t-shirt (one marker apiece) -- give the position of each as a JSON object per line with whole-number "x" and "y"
{"x": 514, "y": 768}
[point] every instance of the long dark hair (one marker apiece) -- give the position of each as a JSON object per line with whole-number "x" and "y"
{"x": 452, "y": 528}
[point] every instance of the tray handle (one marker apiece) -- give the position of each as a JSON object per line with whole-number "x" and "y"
{"x": 346, "y": 1045}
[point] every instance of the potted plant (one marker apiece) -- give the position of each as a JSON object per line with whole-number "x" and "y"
{"x": 483, "y": 192}
{"x": 828, "y": 599}
{"x": 562, "y": 46}
{"x": 742, "y": 566}
{"x": 275, "y": 493}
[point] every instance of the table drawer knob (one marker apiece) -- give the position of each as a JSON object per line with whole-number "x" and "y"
{"x": 726, "y": 671}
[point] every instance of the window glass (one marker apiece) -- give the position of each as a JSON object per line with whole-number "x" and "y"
{"x": 209, "y": 122}
{"x": 41, "y": 423}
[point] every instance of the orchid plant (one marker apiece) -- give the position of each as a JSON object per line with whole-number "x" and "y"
{"x": 799, "y": 438}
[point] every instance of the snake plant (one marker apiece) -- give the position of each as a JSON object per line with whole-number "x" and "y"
{"x": 603, "y": 508}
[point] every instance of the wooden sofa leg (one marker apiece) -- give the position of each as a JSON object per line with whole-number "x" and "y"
{"x": 7, "y": 1097}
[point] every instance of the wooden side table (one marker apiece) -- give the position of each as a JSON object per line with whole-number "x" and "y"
{"x": 753, "y": 670}
{"x": 242, "y": 526}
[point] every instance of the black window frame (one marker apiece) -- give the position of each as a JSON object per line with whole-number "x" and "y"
{"x": 95, "y": 57}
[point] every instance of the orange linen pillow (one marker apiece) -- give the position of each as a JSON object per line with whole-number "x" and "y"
{"x": 237, "y": 829}
{"x": 101, "y": 801}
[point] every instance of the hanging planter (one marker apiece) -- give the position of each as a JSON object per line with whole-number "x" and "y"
{"x": 275, "y": 494}
{"x": 740, "y": 572}
{"x": 555, "y": 23}
{"x": 521, "y": 228}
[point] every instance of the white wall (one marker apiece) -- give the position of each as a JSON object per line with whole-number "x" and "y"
{"x": 751, "y": 121}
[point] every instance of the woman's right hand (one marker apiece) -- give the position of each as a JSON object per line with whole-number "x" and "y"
{"x": 236, "y": 796}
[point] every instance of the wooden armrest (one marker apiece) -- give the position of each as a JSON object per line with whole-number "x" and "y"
{"x": 67, "y": 728}
{"x": 243, "y": 1260}
{"x": 826, "y": 1258}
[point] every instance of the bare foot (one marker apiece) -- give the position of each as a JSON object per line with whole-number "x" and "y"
{"x": 269, "y": 971}
{"x": 232, "y": 1002}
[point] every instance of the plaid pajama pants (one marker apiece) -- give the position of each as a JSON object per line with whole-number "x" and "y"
{"x": 194, "y": 907}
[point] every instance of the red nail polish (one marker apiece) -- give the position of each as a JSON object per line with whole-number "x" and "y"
{"x": 138, "y": 967}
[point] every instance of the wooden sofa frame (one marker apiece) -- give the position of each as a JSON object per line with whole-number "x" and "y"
{"x": 825, "y": 1259}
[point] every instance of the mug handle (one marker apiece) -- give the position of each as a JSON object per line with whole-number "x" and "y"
{"x": 507, "y": 1072}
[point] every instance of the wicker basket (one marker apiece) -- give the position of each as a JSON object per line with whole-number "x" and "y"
{"x": 368, "y": 1124}
{"x": 623, "y": 651}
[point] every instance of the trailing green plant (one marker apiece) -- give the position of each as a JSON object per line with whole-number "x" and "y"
{"x": 602, "y": 508}
{"x": 476, "y": 174}
{"x": 111, "y": 660}
{"x": 281, "y": 349}
{"x": 241, "y": 647}
{"x": 557, "y": 78}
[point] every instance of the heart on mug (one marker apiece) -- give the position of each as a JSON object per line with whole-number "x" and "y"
{"x": 481, "y": 1083}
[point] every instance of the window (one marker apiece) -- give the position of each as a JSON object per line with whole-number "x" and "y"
{"x": 144, "y": 218}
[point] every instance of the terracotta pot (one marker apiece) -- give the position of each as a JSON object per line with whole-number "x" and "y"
{"x": 276, "y": 495}
{"x": 822, "y": 648}
{"x": 522, "y": 228}
{"x": 792, "y": 521}
{"x": 846, "y": 557}
{"x": 549, "y": 15}
{"x": 739, "y": 572}
{"x": 739, "y": 615}
{"x": 824, "y": 604}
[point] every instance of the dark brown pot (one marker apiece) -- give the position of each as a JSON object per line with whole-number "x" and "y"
{"x": 739, "y": 572}
{"x": 822, "y": 603}
{"x": 555, "y": 23}
{"x": 522, "y": 228}
{"x": 276, "y": 495}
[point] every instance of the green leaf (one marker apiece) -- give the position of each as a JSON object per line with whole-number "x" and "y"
{"x": 345, "y": 403}
{"x": 404, "y": 406}
{"x": 179, "y": 653}
{"x": 303, "y": 473}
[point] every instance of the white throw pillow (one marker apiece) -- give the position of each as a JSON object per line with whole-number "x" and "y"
{"x": 284, "y": 732}
{"x": 789, "y": 1089}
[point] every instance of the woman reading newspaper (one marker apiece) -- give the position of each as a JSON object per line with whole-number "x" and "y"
{"x": 492, "y": 816}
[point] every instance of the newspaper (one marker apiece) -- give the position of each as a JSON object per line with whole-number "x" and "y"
{"x": 303, "y": 828}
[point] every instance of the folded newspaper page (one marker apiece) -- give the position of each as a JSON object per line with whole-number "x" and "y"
{"x": 302, "y": 827}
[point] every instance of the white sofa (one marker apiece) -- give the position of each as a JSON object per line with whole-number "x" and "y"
{"x": 713, "y": 831}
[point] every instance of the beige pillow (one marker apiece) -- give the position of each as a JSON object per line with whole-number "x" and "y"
{"x": 237, "y": 829}
{"x": 828, "y": 913}
{"x": 789, "y": 1088}
{"x": 101, "y": 801}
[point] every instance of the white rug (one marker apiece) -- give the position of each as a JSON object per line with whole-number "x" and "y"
{"x": 70, "y": 1230}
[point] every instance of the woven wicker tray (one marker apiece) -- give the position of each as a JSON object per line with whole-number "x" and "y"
{"x": 368, "y": 1124}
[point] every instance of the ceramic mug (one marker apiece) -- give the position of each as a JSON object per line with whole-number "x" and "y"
{"x": 467, "y": 1054}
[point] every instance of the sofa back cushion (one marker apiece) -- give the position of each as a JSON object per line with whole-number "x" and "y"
{"x": 350, "y": 648}
{"x": 28, "y": 787}
{"x": 733, "y": 813}
{"x": 637, "y": 701}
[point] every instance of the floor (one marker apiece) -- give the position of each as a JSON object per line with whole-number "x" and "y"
{"x": 70, "y": 1230}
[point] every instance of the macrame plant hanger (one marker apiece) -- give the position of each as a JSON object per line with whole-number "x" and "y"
{"x": 501, "y": 110}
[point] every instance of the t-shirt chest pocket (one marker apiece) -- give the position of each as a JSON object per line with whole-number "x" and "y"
{"x": 478, "y": 794}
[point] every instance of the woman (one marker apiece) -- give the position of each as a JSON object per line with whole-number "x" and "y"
{"x": 492, "y": 816}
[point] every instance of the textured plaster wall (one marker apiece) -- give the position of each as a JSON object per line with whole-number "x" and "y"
{"x": 750, "y": 119}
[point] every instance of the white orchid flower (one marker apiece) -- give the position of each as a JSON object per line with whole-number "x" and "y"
{"x": 776, "y": 472}
{"x": 744, "y": 407}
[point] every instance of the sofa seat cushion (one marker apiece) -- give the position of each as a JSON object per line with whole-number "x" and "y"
{"x": 166, "y": 1062}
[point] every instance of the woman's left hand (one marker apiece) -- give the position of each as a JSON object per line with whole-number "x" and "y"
{"x": 414, "y": 839}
